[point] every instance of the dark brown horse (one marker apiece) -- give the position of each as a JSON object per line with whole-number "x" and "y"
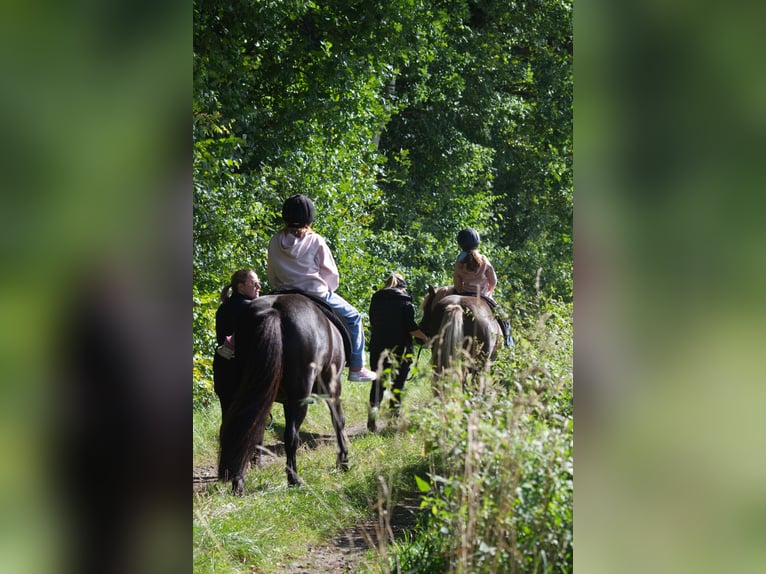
{"x": 288, "y": 350}
{"x": 464, "y": 327}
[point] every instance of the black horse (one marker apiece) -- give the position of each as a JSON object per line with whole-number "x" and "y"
{"x": 288, "y": 350}
{"x": 465, "y": 329}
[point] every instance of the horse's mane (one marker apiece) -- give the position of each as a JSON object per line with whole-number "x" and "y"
{"x": 439, "y": 294}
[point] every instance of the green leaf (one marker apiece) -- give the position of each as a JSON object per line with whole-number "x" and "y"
{"x": 423, "y": 486}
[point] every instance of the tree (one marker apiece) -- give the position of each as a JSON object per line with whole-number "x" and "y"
{"x": 404, "y": 121}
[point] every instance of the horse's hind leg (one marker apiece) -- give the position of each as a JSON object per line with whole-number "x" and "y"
{"x": 339, "y": 423}
{"x": 294, "y": 415}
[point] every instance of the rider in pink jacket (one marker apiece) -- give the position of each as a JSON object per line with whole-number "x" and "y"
{"x": 474, "y": 275}
{"x": 299, "y": 258}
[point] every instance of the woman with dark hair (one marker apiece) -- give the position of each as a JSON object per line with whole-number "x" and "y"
{"x": 300, "y": 259}
{"x": 474, "y": 275}
{"x": 243, "y": 288}
{"x": 392, "y": 327}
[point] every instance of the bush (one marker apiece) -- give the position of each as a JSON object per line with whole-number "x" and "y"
{"x": 500, "y": 496}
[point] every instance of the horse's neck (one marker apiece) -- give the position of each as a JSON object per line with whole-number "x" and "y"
{"x": 440, "y": 294}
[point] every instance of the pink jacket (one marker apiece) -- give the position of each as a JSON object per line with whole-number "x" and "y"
{"x": 482, "y": 280}
{"x": 304, "y": 263}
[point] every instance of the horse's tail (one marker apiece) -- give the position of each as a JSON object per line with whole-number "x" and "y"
{"x": 450, "y": 336}
{"x": 259, "y": 346}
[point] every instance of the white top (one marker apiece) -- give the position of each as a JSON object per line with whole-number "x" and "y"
{"x": 304, "y": 263}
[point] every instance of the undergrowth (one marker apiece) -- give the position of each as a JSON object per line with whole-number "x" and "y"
{"x": 499, "y": 493}
{"x": 493, "y": 463}
{"x": 273, "y": 526}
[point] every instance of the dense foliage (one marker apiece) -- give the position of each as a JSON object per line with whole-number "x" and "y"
{"x": 500, "y": 492}
{"x": 404, "y": 120}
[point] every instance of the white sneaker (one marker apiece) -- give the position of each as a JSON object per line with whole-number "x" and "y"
{"x": 227, "y": 349}
{"x": 362, "y": 376}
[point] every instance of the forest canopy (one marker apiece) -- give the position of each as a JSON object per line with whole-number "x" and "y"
{"x": 404, "y": 121}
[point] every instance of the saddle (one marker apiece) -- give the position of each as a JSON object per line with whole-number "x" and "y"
{"x": 489, "y": 300}
{"x": 329, "y": 312}
{"x": 505, "y": 324}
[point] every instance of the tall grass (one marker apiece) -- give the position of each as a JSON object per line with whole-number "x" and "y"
{"x": 499, "y": 492}
{"x": 493, "y": 463}
{"x": 273, "y": 527}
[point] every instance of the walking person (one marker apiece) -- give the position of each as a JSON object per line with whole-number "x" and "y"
{"x": 299, "y": 258}
{"x": 392, "y": 328}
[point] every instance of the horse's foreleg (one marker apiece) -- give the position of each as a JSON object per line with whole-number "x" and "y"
{"x": 339, "y": 424}
{"x": 294, "y": 415}
{"x": 256, "y": 457}
{"x": 238, "y": 481}
{"x": 238, "y": 485}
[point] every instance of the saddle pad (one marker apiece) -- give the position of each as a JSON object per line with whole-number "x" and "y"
{"x": 490, "y": 301}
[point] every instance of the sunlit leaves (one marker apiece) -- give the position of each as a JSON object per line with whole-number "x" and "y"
{"x": 404, "y": 120}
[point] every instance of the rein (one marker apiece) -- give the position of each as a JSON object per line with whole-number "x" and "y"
{"x": 417, "y": 360}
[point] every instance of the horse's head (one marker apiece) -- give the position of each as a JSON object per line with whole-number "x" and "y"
{"x": 431, "y": 320}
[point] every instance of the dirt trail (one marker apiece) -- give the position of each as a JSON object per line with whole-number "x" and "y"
{"x": 345, "y": 553}
{"x": 203, "y": 475}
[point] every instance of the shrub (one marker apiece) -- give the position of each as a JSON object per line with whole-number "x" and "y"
{"x": 500, "y": 494}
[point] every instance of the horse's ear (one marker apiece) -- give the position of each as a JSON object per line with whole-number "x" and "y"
{"x": 431, "y": 290}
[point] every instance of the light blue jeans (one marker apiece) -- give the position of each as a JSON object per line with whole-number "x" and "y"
{"x": 354, "y": 321}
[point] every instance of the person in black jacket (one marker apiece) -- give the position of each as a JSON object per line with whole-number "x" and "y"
{"x": 392, "y": 327}
{"x": 243, "y": 288}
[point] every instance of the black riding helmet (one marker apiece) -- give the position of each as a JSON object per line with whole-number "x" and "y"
{"x": 468, "y": 239}
{"x": 298, "y": 210}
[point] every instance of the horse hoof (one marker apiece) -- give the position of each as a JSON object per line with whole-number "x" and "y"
{"x": 293, "y": 479}
{"x": 342, "y": 464}
{"x": 238, "y": 486}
